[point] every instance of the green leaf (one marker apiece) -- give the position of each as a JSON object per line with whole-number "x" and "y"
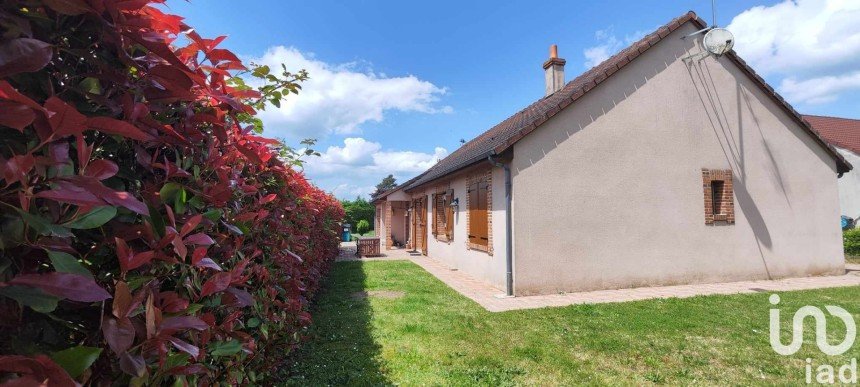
{"x": 32, "y": 297}
{"x": 168, "y": 192}
{"x": 95, "y": 218}
{"x": 76, "y": 359}
{"x": 66, "y": 263}
{"x": 91, "y": 85}
{"x": 253, "y": 322}
{"x": 193, "y": 308}
{"x": 213, "y": 215}
{"x": 42, "y": 226}
{"x": 196, "y": 202}
{"x": 226, "y": 348}
{"x": 157, "y": 220}
{"x": 174, "y": 193}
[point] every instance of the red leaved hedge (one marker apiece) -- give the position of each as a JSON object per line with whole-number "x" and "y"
{"x": 147, "y": 232}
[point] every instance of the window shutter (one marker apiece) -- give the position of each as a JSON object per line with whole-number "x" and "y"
{"x": 449, "y": 217}
{"x": 434, "y": 203}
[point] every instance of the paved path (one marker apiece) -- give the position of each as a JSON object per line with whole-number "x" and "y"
{"x": 493, "y": 299}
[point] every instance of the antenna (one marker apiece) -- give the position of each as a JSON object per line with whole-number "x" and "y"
{"x": 714, "y": 13}
{"x": 717, "y": 41}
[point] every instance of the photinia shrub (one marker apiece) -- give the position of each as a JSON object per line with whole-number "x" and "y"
{"x": 148, "y": 233}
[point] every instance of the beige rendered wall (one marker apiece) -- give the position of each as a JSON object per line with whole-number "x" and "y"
{"x": 455, "y": 254}
{"x": 398, "y": 222}
{"x": 849, "y": 186}
{"x": 379, "y": 221}
{"x": 608, "y": 193}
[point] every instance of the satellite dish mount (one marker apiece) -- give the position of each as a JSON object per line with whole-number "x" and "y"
{"x": 717, "y": 41}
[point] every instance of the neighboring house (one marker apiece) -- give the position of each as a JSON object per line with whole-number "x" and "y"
{"x": 844, "y": 134}
{"x": 658, "y": 166}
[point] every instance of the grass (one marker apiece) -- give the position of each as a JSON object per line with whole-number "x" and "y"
{"x": 434, "y": 336}
{"x": 852, "y": 259}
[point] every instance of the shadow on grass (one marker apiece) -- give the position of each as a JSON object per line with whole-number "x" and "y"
{"x": 340, "y": 349}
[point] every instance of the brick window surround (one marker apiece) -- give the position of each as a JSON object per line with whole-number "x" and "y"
{"x": 719, "y": 196}
{"x": 443, "y": 215}
{"x": 471, "y": 180}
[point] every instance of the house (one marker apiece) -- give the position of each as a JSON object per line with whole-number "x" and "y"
{"x": 658, "y": 166}
{"x": 844, "y": 135}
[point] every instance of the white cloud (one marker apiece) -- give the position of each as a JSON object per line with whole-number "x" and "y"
{"x": 814, "y": 44}
{"x": 608, "y": 45}
{"x": 349, "y": 191}
{"x": 338, "y": 98}
{"x": 819, "y": 90}
{"x": 362, "y": 156}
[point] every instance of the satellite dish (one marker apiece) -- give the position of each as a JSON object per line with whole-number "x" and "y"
{"x": 718, "y": 41}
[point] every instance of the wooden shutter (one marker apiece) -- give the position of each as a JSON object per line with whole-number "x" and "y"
{"x": 449, "y": 216}
{"x": 478, "y": 227}
{"x": 433, "y": 203}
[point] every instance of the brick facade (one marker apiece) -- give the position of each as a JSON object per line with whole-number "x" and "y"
{"x": 721, "y": 201}
{"x": 388, "y": 241}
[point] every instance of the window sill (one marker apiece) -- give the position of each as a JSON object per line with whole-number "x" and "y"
{"x": 443, "y": 238}
{"x": 475, "y": 246}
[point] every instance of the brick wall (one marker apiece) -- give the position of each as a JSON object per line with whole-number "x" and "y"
{"x": 723, "y": 197}
{"x": 388, "y": 241}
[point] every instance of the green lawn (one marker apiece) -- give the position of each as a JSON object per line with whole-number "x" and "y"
{"x": 431, "y": 335}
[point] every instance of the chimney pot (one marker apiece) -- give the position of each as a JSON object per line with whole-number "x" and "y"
{"x": 554, "y": 71}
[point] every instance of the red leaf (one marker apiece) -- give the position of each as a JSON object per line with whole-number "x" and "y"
{"x": 132, "y": 364}
{"x": 68, "y": 7}
{"x": 66, "y": 285}
{"x": 67, "y": 192}
{"x": 101, "y": 169}
{"x": 17, "y": 168}
{"x": 199, "y": 254}
{"x": 190, "y": 225}
{"x": 199, "y": 239}
{"x": 238, "y": 297}
{"x": 121, "y": 300}
{"x": 85, "y": 190}
{"x": 128, "y": 260}
{"x": 209, "y": 264}
{"x": 119, "y": 334}
{"x": 171, "y": 302}
{"x": 23, "y": 55}
{"x": 268, "y": 198}
{"x": 65, "y": 120}
{"x": 117, "y": 127}
{"x": 183, "y": 322}
{"x": 16, "y": 115}
{"x": 184, "y": 347}
{"x": 35, "y": 371}
{"x": 218, "y": 283}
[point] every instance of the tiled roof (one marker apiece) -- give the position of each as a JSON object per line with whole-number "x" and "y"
{"x": 502, "y": 136}
{"x": 383, "y": 194}
{"x": 841, "y": 132}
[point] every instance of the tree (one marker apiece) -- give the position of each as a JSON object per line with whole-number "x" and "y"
{"x": 363, "y": 227}
{"x": 358, "y": 210}
{"x": 386, "y": 184}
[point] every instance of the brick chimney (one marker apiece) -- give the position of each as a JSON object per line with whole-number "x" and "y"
{"x": 554, "y": 71}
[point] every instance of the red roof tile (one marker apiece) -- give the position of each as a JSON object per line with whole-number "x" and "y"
{"x": 504, "y": 135}
{"x": 841, "y": 132}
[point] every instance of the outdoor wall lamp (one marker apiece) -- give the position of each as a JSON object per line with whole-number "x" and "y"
{"x": 455, "y": 203}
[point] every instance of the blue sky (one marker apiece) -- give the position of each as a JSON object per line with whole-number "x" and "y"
{"x": 395, "y": 85}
